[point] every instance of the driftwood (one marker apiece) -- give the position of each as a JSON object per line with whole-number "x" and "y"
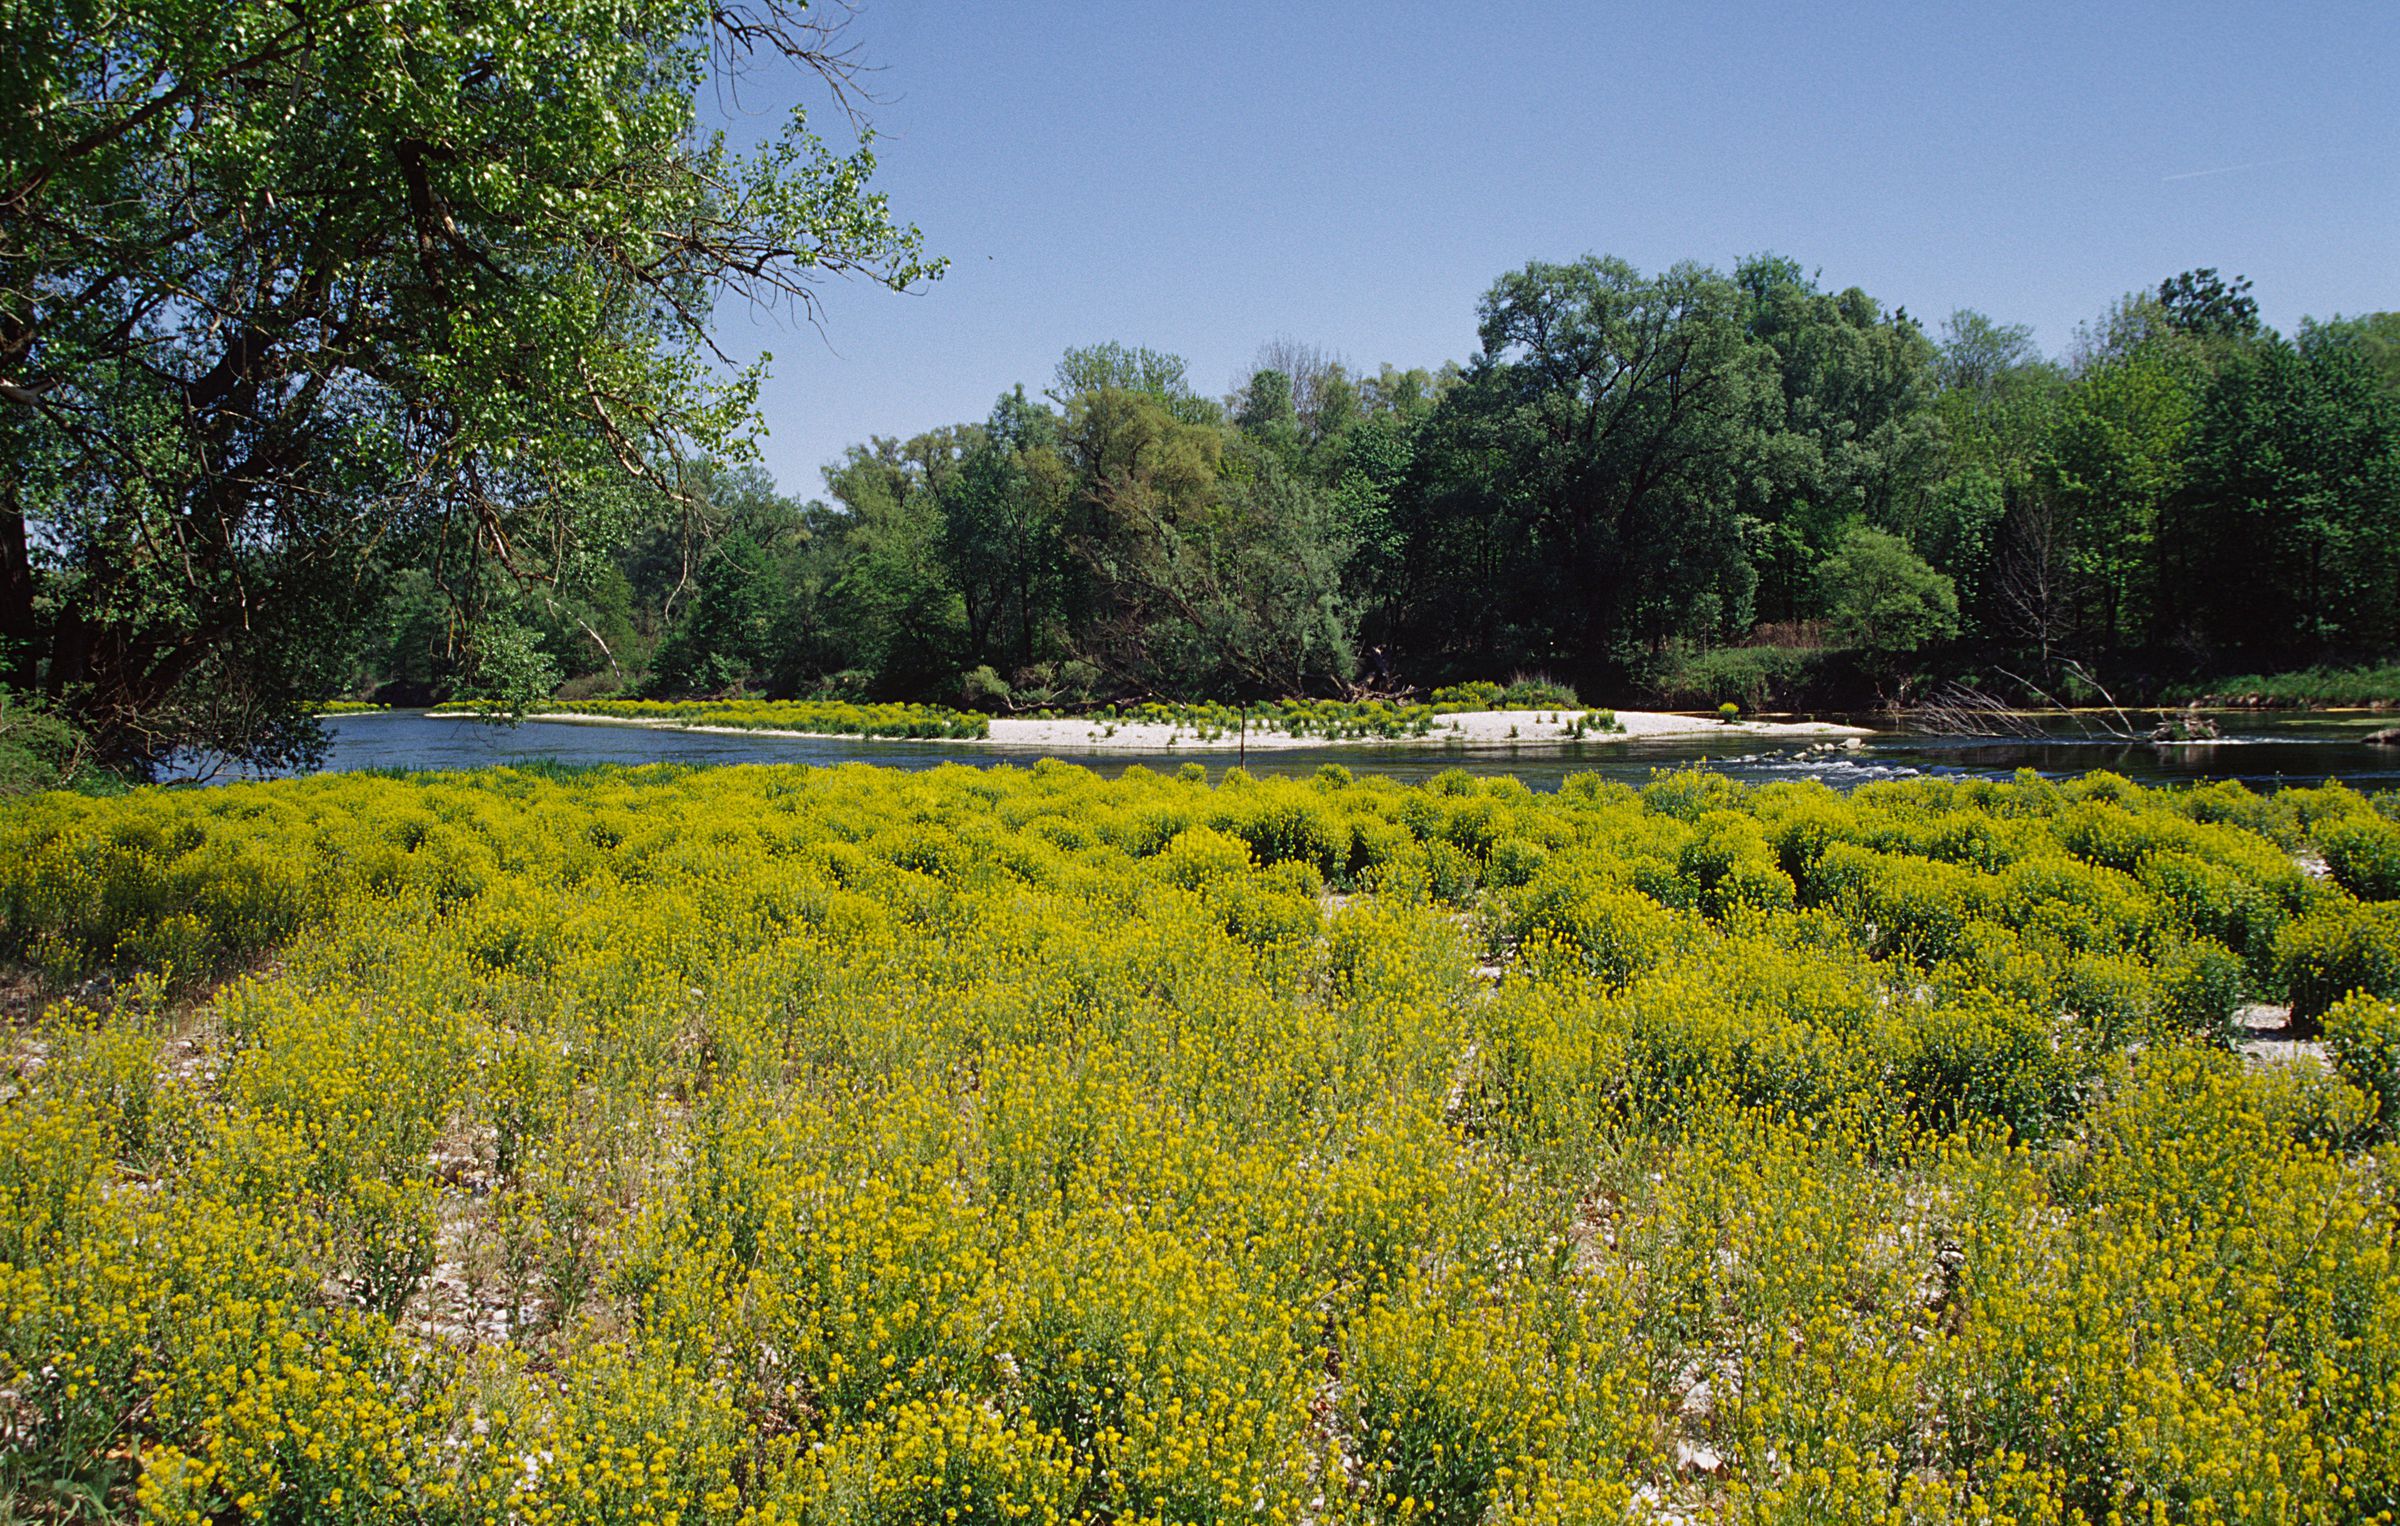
{"x": 1958, "y": 710}
{"x": 1955, "y": 710}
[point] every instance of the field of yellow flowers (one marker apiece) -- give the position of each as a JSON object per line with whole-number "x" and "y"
{"x": 524, "y": 1148}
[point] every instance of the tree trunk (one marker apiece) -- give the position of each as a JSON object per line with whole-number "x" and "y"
{"x": 20, "y": 656}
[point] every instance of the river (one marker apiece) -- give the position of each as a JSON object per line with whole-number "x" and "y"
{"x": 2264, "y": 750}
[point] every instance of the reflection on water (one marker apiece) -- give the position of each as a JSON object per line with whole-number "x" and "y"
{"x": 2264, "y": 751}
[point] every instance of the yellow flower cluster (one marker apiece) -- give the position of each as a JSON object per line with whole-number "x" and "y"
{"x": 1335, "y": 719}
{"x": 820, "y": 717}
{"x": 775, "y": 1145}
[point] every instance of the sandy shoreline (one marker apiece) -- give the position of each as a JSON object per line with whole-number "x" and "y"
{"x": 1471, "y": 728}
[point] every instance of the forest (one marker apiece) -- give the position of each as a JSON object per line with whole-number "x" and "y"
{"x": 1689, "y": 486}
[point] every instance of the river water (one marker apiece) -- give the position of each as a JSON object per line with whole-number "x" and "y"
{"x": 2262, "y": 750}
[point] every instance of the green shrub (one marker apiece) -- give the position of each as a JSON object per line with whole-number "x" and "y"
{"x": 984, "y": 688}
{"x": 2341, "y": 948}
{"x": 1520, "y": 693}
{"x": 1609, "y": 932}
{"x": 2306, "y": 686}
{"x": 2218, "y": 903}
{"x": 1480, "y": 694}
{"x": 1756, "y": 676}
{"x": 1537, "y": 693}
{"x": 38, "y": 748}
{"x": 1989, "y": 1058}
{"x": 1911, "y": 908}
{"x": 2364, "y": 855}
{"x": 2363, "y": 1036}
{"x": 1285, "y": 822}
{"x": 2200, "y": 984}
{"x": 1728, "y": 865}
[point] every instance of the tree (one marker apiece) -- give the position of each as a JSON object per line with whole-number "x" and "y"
{"x": 2116, "y": 450}
{"x": 1264, "y": 411}
{"x": 1579, "y": 485}
{"x": 1854, "y": 436}
{"x": 2284, "y": 534}
{"x": 1882, "y": 598}
{"x": 1114, "y": 367}
{"x": 1977, "y": 519}
{"x": 2201, "y": 302}
{"x": 2377, "y": 336}
{"x": 726, "y": 637}
{"x": 1324, "y": 400}
{"x": 903, "y": 617}
{"x": 1252, "y": 590}
{"x": 292, "y": 292}
{"x": 511, "y": 669}
{"x": 1003, "y": 515}
{"x": 1978, "y": 357}
{"x": 1144, "y": 479}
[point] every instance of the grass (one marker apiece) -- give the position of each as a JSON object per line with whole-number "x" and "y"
{"x": 2378, "y": 684}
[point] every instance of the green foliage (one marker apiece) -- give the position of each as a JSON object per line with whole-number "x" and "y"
{"x": 727, "y": 632}
{"x": 512, "y": 675}
{"x": 984, "y": 688}
{"x": 1519, "y": 693}
{"x": 2289, "y": 494}
{"x": 2202, "y": 302}
{"x": 1757, "y": 676}
{"x": 1479, "y": 694}
{"x": 431, "y": 292}
{"x": 2363, "y": 1036}
{"x": 1599, "y": 435}
{"x": 1835, "y": 497}
{"x": 1881, "y": 597}
{"x": 1335, "y": 720}
{"x": 2339, "y": 949}
{"x": 39, "y": 748}
{"x": 2306, "y": 686}
{"x": 2363, "y": 854}
{"x": 1533, "y": 694}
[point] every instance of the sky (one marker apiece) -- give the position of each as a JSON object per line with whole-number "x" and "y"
{"x": 1204, "y": 179}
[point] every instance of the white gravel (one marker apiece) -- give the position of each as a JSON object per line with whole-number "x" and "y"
{"x": 1469, "y": 728}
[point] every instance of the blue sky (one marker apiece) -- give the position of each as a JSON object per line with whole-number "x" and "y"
{"x": 1201, "y": 179}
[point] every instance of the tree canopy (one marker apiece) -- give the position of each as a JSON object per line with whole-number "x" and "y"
{"x": 293, "y": 295}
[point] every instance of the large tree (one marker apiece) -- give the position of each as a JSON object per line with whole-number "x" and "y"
{"x": 1580, "y": 485}
{"x": 284, "y": 287}
{"x": 2283, "y": 537}
{"x": 1854, "y": 438}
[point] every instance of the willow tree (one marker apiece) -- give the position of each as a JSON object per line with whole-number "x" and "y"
{"x": 284, "y": 287}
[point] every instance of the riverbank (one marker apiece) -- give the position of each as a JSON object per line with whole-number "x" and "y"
{"x": 1469, "y": 728}
{"x": 2356, "y": 688}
